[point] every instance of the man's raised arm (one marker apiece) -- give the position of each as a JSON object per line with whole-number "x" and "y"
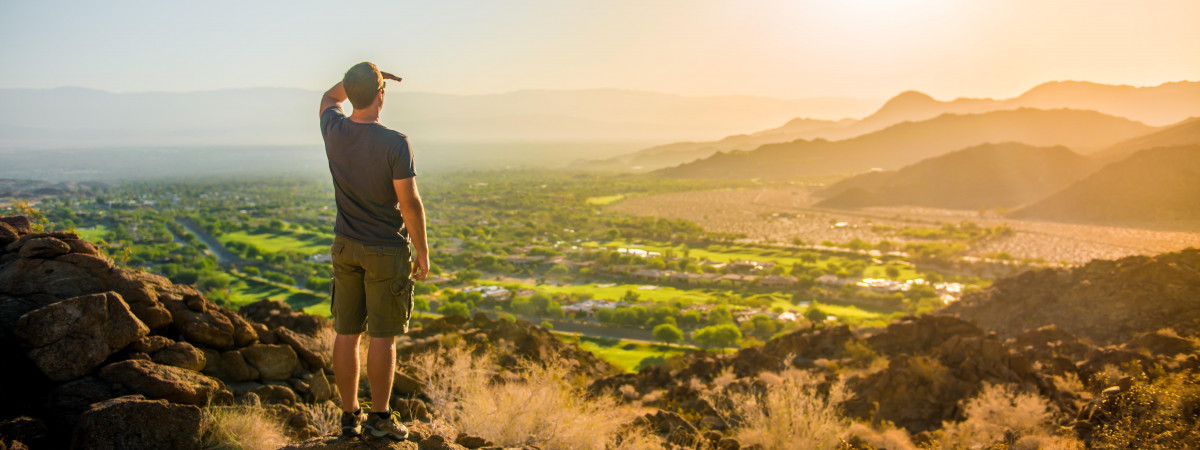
{"x": 414, "y": 221}
{"x": 334, "y": 96}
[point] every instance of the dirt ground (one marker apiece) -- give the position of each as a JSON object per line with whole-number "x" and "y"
{"x": 780, "y": 215}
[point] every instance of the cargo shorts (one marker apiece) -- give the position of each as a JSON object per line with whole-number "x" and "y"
{"x": 372, "y": 290}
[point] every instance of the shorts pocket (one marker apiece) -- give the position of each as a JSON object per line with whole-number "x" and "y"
{"x": 402, "y": 293}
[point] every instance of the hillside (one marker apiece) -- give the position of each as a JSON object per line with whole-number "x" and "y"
{"x": 985, "y": 176}
{"x": 1156, "y": 105}
{"x": 1107, "y": 302}
{"x": 1152, "y": 186}
{"x": 1183, "y": 133}
{"x": 910, "y": 142}
{"x": 99, "y": 356}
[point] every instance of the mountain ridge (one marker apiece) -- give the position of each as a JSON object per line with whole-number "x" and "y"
{"x": 984, "y": 176}
{"x": 909, "y": 142}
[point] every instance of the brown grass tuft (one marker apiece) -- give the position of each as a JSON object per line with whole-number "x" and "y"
{"x": 542, "y": 410}
{"x": 240, "y": 427}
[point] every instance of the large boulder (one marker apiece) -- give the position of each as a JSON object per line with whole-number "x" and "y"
{"x": 274, "y": 362}
{"x": 25, "y": 277}
{"x": 8, "y": 234}
{"x": 20, "y": 224}
{"x": 70, "y": 338}
{"x": 182, "y": 355}
{"x": 306, "y": 347}
{"x": 44, "y": 247}
{"x": 198, "y": 322}
{"x": 161, "y": 382}
{"x": 133, "y": 422}
{"x": 235, "y": 368}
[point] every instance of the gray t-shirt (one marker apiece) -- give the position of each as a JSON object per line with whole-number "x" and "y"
{"x": 364, "y": 158}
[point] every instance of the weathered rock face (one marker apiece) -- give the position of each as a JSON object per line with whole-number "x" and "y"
{"x": 161, "y": 382}
{"x": 235, "y": 368}
{"x": 182, "y": 355}
{"x": 273, "y": 362}
{"x": 70, "y": 338}
{"x": 133, "y": 422}
{"x": 306, "y": 347}
{"x": 45, "y": 247}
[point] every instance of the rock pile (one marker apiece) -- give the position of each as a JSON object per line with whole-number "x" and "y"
{"x": 116, "y": 354}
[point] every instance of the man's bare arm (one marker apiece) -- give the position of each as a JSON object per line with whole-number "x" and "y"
{"x": 334, "y": 96}
{"x": 414, "y": 221}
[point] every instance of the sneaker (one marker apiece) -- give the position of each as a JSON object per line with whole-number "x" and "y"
{"x": 350, "y": 422}
{"x": 384, "y": 424}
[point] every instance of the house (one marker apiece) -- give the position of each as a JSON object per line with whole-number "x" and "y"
{"x": 734, "y": 278}
{"x": 777, "y": 282}
{"x": 832, "y": 280}
{"x": 524, "y": 261}
{"x": 648, "y": 274}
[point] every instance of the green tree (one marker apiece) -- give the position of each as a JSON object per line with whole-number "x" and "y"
{"x": 668, "y": 333}
{"x": 815, "y": 315}
{"x": 455, "y": 309}
{"x": 467, "y": 276}
{"x": 724, "y": 335}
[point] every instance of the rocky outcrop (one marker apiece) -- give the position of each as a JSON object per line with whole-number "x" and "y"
{"x": 1107, "y": 302}
{"x": 68, "y": 339}
{"x": 161, "y": 382}
{"x": 135, "y": 422}
{"x": 77, "y": 332}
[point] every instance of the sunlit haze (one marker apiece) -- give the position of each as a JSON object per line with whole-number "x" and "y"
{"x": 859, "y": 48}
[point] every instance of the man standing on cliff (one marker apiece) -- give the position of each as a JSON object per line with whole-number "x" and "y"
{"x": 379, "y": 213}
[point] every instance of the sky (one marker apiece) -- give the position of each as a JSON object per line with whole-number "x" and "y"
{"x": 789, "y": 49}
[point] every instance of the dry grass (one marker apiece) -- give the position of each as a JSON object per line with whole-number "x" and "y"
{"x": 542, "y": 409}
{"x": 240, "y": 427}
{"x": 790, "y": 410}
{"x": 1002, "y": 415}
{"x": 325, "y": 416}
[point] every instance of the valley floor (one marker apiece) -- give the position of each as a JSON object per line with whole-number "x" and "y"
{"x": 783, "y": 214}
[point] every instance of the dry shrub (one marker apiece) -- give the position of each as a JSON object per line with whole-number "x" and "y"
{"x": 326, "y": 417}
{"x": 1000, "y": 414}
{"x": 862, "y": 435}
{"x": 789, "y": 410}
{"x": 240, "y": 427}
{"x": 542, "y": 410}
{"x": 1164, "y": 413}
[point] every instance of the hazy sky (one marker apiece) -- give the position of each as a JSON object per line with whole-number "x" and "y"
{"x": 856, "y": 48}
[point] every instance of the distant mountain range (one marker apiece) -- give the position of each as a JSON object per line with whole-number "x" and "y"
{"x": 986, "y": 176}
{"x": 1155, "y": 185}
{"x": 1158, "y": 105}
{"x": 87, "y": 118}
{"x": 910, "y": 142}
{"x": 1186, "y": 132}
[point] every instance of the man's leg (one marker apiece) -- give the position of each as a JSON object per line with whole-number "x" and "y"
{"x": 345, "y": 369}
{"x": 381, "y": 369}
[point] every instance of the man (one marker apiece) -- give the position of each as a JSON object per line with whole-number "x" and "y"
{"x": 378, "y": 213}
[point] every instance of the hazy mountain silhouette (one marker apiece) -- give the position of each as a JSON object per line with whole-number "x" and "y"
{"x": 985, "y": 176}
{"x": 279, "y": 116}
{"x": 1182, "y": 133}
{"x": 910, "y": 142}
{"x": 672, "y": 154}
{"x": 1156, "y": 185}
{"x": 1157, "y": 105}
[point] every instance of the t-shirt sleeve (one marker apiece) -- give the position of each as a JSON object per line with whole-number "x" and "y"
{"x": 331, "y": 116}
{"x": 401, "y": 159}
